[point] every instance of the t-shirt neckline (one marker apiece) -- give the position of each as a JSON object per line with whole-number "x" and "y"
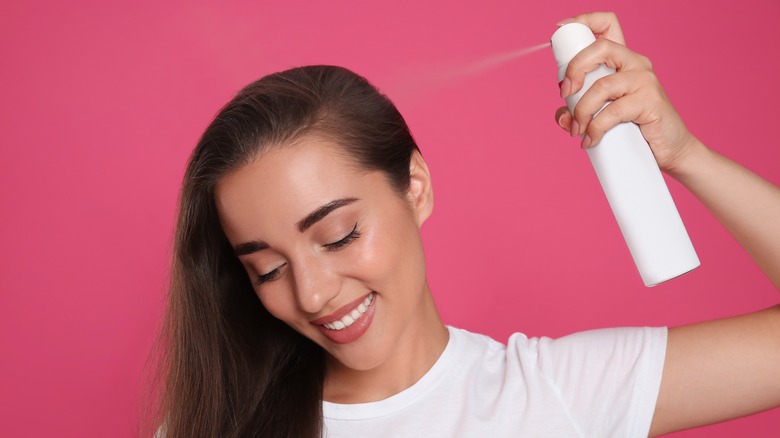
{"x": 405, "y": 398}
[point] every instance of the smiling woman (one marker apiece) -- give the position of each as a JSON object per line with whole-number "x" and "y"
{"x": 300, "y": 305}
{"x": 336, "y": 236}
{"x": 309, "y": 182}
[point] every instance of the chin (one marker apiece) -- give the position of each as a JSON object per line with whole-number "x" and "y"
{"x": 365, "y": 354}
{"x": 362, "y": 362}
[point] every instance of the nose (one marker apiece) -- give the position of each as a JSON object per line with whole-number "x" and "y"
{"x": 315, "y": 286}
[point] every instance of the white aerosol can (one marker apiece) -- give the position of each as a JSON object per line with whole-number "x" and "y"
{"x": 631, "y": 179}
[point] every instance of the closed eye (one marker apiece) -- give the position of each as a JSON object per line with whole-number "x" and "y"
{"x": 349, "y": 238}
{"x": 334, "y": 246}
{"x": 267, "y": 277}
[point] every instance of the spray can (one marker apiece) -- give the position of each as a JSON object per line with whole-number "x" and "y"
{"x": 631, "y": 179}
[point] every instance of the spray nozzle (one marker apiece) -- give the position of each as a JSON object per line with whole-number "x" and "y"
{"x": 568, "y": 40}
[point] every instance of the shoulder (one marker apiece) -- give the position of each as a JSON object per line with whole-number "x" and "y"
{"x": 623, "y": 340}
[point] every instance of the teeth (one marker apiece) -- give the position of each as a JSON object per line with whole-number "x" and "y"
{"x": 351, "y": 317}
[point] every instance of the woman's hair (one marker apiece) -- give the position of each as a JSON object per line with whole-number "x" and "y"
{"x": 231, "y": 369}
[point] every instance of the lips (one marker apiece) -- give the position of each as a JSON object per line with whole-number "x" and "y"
{"x": 350, "y": 321}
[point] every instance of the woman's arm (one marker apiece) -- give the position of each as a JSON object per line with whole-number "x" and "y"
{"x": 746, "y": 204}
{"x": 728, "y": 368}
{"x": 719, "y": 370}
{"x": 716, "y": 370}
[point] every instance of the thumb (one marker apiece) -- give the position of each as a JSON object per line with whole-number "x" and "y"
{"x": 563, "y": 118}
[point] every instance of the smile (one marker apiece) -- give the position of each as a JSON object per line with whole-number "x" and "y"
{"x": 350, "y": 318}
{"x": 350, "y": 322}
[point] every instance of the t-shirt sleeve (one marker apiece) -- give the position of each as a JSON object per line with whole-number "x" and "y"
{"x": 607, "y": 380}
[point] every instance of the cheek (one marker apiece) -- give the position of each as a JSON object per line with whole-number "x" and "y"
{"x": 277, "y": 301}
{"x": 390, "y": 251}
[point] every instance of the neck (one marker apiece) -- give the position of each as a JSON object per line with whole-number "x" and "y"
{"x": 419, "y": 347}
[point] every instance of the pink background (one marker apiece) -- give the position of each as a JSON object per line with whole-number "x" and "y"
{"x": 103, "y": 101}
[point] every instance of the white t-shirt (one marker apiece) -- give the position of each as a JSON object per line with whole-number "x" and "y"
{"x": 600, "y": 383}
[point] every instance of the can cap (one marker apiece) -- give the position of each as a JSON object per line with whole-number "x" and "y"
{"x": 568, "y": 40}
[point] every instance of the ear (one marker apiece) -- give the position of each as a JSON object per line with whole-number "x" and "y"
{"x": 420, "y": 192}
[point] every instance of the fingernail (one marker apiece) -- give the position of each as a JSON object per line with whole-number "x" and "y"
{"x": 565, "y": 87}
{"x": 565, "y": 21}
{"x": 585, "y": 142}
{"x": 560, "y": 123}
{"x": 575, "y": 128}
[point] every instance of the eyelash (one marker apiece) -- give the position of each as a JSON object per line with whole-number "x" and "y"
{"x": 349, "y": 238}
{"x": 267, "y": 277}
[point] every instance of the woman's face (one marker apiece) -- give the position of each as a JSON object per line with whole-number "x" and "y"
{"x": 332, "y": 249}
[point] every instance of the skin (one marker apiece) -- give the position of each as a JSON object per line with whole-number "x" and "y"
{"x": 717, "y": 370}
{"x": 266, "y": 199}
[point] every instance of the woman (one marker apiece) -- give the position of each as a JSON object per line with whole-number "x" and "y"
{"x": 300, "y": 305}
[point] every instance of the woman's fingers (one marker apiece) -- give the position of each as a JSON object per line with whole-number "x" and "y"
{"x": 629, "y": 92}
{"x": 616, "y": 87}
{"x": 623, "y": 110}
{"x": 609, "y": 53}
{"x": 627, "y": 109}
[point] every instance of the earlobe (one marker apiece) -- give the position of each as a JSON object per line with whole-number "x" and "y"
{"x": 420, "y": 188}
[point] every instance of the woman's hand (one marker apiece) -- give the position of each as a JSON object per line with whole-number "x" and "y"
{"x": 634, "y": 91}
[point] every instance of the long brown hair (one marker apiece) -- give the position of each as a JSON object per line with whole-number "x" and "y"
{"x": 228, "y": 367}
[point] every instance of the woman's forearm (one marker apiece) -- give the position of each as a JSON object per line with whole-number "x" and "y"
{"x": 746, "y": 204}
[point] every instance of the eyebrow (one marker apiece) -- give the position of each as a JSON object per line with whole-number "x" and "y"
{"x": 320, "y": 213}
{"x": 304, "y": 224}
{"x": 247, "y": 248}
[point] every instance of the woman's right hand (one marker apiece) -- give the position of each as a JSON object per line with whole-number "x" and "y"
{"x": 634, "y": 91}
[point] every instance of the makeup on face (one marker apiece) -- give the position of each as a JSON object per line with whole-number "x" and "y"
{"x": 335, "y": 240}
{"x": 349, "y": 322}
{"x": 334, "y": 251}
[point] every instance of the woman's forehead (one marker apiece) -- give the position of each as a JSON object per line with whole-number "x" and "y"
{"x": 284, "y": 184}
